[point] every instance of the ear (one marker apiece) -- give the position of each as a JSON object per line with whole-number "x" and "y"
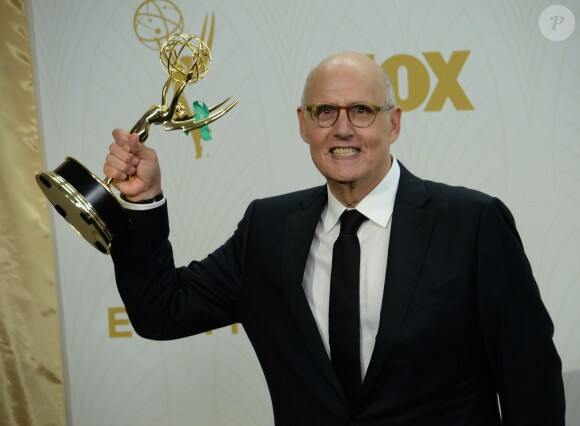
{"x": 304, "y": 128}
{"x": 395, "y": 122}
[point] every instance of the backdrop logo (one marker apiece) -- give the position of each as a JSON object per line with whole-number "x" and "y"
{"x": 413, "y": 85}
{"x": 157, "y": 20}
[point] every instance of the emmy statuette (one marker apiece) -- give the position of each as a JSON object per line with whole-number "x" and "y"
{"x": 87, "y": 202}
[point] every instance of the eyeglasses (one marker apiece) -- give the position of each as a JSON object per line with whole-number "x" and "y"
{"x": 360, "y": 115}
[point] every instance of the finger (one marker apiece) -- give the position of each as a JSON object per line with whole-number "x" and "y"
{"x": 114, "y": 174}
{"x": 134, "y": 145}
{"x": 123, "y": 154}
{"x": 121, "y": 137}
{"x": 115, "y": 163}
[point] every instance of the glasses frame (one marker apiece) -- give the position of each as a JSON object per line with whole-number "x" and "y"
{"x": 375, "y": 108}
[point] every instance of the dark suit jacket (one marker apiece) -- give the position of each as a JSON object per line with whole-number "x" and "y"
{"x": 461, "y": 321}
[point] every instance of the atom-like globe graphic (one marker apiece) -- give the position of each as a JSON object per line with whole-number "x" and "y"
{"x": 185, "y": 56}
{"x": 155, "y": 21}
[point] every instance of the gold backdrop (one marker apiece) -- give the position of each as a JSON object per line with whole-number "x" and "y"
{"x": 31, "y": 377}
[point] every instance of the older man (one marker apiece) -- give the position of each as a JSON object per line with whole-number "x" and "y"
{"x": 415, "y": 307}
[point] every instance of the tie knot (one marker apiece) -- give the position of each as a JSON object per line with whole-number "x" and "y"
{"x": 350, "y": 221}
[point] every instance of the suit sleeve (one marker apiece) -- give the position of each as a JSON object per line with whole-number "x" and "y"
{"x": 516, "y": 326}
{"x": 164, "y": 302}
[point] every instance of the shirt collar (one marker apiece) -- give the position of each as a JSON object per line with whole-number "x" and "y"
{"x": 377, "y": 205}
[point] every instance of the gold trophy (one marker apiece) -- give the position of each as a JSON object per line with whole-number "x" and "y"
{"x": 86, "y": 201}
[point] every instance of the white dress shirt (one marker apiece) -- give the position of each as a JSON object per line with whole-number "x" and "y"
{"x": 373, "y": 235}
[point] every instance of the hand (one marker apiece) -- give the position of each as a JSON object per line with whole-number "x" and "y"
{"x": 134, "y": 167}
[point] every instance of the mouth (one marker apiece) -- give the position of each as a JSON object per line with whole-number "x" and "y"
{"x": 344, "y": 152}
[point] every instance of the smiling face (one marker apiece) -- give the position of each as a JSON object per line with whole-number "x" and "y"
{"x": 352, "y": 159}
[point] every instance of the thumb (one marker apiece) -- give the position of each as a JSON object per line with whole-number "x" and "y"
{"x": 139, "y": 149}
{"x": 135, "y": 147}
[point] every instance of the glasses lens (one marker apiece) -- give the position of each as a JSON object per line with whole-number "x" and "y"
{"x": 324, "y": 115}
{"x": 362, "y": 115}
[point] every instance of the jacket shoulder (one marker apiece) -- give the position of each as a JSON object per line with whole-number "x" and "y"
{"x": 451, "y": 193}
{"x": 423, "y": 192}
{"x": 292, "y": 201}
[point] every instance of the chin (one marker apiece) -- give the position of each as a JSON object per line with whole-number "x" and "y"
{"x": 342, "y": 180}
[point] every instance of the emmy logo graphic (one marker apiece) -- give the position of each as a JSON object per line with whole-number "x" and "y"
{"x": 154, "y": 22}
{"x": 84, "y": 200}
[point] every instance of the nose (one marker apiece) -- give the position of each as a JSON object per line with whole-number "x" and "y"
{"x": 343, "y": 128}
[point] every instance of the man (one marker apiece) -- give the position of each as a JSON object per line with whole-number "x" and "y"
{"x": 449, "y": 315}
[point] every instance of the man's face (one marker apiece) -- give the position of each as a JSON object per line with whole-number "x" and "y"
{"x": 345, "y": 154}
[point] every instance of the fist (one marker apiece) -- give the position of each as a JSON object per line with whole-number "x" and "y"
{"x": 133, "y": 166}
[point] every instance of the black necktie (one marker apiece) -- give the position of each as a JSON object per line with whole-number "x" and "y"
{"x": 344, "y": 310}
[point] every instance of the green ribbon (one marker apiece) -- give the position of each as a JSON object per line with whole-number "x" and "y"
{"x": 201, "y": 113}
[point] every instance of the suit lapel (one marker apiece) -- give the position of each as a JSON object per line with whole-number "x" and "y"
{"x": 410, "y": 233}
{"x": 300, "y": 228}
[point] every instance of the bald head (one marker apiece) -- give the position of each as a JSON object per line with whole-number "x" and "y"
{"x": 354, "y": 62}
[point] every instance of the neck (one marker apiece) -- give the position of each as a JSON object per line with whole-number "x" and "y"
{"x": 349, "y": 195}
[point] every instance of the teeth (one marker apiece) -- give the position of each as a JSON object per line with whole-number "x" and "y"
{"x": 344, "y": 151}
